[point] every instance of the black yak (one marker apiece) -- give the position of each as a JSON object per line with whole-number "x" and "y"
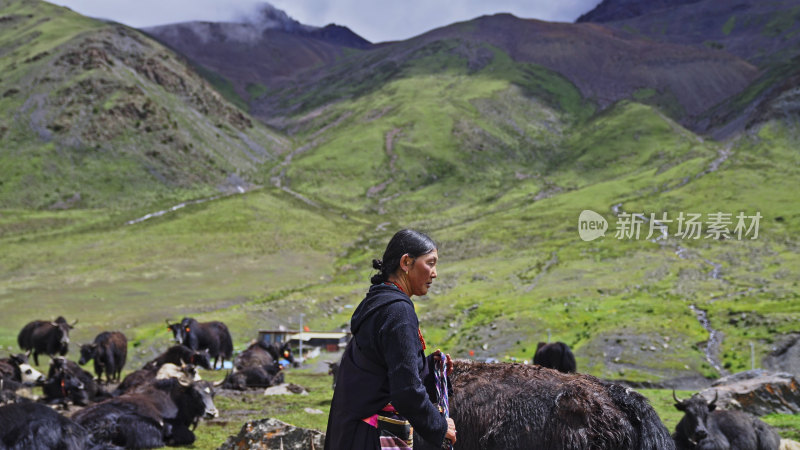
{"x": 66, "y": 380}
{"x": 261, "y": 354}
{"x": 161, "y": 413}
{"x": 703, "y": 427}
{"x": 213, "y": 336}
{"x": 109, "y": 352}
{"x": 179, "y": 355}
{"x": 556, "y": 355}
{"x": 521, "y": 407}
{"x": 32, "y": 426}
{"x": 49, "y": 338}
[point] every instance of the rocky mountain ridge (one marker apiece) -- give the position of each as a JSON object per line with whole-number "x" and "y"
{"x": 103, "y": 98}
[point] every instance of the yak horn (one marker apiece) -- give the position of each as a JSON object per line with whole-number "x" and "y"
{"x": 220, "y": 382}
{"x": 74, "y": 323}
{"x": 677, "y": 400}
{"x": 716, "y": 395}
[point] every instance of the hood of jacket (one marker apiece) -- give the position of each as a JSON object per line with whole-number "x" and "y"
{"x": 379, "y": 295}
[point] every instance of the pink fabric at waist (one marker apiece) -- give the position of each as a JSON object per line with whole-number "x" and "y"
{"x": 373, "y": 419}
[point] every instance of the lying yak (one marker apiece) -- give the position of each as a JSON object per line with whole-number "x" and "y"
{"x": 161, "y": 413}
{"x": 16, "y": 369}
{"x": 180, "y": 355}
{"x": 261, "y": 354}
{"x": 67, "y": 381}
{"x": 703, "y": 427}
{"x": 32, "y": 426}
{"x": 142, "y": 377}
{"x": 254, "y": 377}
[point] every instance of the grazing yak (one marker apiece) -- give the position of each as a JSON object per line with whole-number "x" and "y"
{"x": 179, "y": 355}
{"x": 556, "y": 355}
{"x": 109, "y": 352}
{"x": 213, "y": 336}
{"x": 703, "y": 427}
{"x": 32, "y": 426}
{"x": 49, "y": 338}
{"x": 161, "y": 413}
{"x": 521, "y": 407}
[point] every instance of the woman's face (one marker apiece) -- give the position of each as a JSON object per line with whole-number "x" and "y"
{"x": 422, "y": 272}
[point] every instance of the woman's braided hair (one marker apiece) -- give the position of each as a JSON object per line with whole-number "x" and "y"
{"x": 412, "y": 242}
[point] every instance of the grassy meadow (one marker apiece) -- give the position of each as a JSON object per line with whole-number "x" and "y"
{"x": 493, "y": 158}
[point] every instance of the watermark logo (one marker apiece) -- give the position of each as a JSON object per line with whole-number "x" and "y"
{"x": 591, "y": 225}
{"x": 635, "y": 226}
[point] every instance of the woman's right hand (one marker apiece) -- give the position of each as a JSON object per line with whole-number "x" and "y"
{"x": 451, "y": 431}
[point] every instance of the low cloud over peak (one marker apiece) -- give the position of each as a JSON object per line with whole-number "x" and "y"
{"x": 267, "y": 17}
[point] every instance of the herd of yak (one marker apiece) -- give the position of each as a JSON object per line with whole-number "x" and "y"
{"x": 544, "y": 406}
{"x": 157, "y": 405}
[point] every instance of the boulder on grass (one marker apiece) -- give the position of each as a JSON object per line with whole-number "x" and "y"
{"x": 272, "y": 434}
{"x": 757, "y": 392}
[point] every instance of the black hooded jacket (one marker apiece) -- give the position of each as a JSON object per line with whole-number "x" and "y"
{"x": 383, "y": 363}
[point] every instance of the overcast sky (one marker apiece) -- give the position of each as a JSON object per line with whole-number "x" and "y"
{"x": 375, "y": 20}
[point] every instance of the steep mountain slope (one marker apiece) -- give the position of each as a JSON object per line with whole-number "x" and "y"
{"x": 611, "y": 10}
{"x": 260, "y": 53}
{"x": 604, "y": 65}
{"x": 765, "y": 33}
{"x": 94, "y": 114}
{"x": 760, "y": 32}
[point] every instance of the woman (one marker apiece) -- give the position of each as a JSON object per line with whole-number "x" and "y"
{"x": 385, "y": 382}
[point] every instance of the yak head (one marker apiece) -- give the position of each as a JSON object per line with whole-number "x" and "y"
{"x": 62, "y": 383}
{"x": 28, "y": 375}
{"x": 62, "y": 331}
{"x": 201, "y": 359}
{"x": 196, "y": 397}
{"x": 177, "y": 331}
{"x": 694, "y": 424}
{"x": 203, "y": 392}
{"x": 286, "y": 352}
{"x": 87, "y": 353}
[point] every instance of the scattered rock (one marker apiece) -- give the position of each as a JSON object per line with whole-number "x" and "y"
{"x": 266, "y": 434}
{"x": 788, "y": 444}
{"x": 757, "y": 392}
{"x": 314, "y": 411}
{"x": 286, "y": 389}
{"x": 67, "y": 203}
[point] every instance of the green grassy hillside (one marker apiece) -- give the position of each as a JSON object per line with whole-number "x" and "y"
{"x": 95, "y": 114}
{"x": 495, "y": 160}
